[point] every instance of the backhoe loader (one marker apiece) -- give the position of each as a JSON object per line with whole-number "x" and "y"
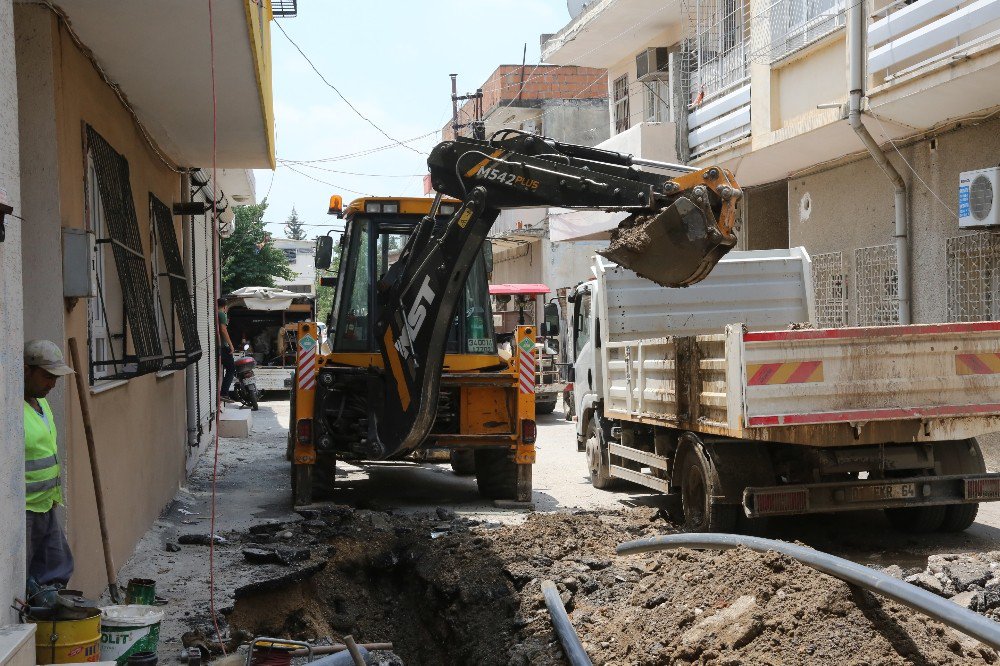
{"x": 413, "y": 361}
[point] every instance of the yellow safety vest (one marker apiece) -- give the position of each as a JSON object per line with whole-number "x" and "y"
{"x": 41, "y": 464}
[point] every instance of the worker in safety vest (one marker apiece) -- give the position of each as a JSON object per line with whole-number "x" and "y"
{"x": 50, "y": 561}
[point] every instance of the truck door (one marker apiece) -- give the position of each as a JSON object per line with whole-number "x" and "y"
{"x": 585, "y": 386}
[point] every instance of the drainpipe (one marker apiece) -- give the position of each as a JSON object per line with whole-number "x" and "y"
{"x": 856, "y": 56}
{"x": 187, "y": 230}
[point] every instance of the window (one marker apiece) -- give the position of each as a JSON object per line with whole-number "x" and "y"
{"x": 797, "y": 23}
{"x": 289, "y": 255}
{"x": 172, "y": 297}
{"x": 974, "y": 277}
{"x": 352, "y": 327}
{"x": 125, "y": 345}
{"x": 582, "y": 317}
{"x": 878, "y": 286}
{"x": 657, "y": 107}
{"x": 830, "y": 289}
{"x": 620, "y": 92}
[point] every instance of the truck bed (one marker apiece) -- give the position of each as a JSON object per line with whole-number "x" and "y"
{"x": 788, "y": 383}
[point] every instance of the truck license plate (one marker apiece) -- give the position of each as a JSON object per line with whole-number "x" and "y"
{"x": 885, "y": 491}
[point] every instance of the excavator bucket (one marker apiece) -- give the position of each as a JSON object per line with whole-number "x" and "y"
{"x": 676, "y": 247}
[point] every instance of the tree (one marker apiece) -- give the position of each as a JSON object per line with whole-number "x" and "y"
{"x": 249, "y": 257}
{"x": 294, "y": 228}
{"x": 324, "y": 295}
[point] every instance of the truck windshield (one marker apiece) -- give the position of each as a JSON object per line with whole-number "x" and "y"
{"x": 367, "y": 261}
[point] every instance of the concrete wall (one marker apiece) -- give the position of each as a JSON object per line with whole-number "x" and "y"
{"x": 765, "y": 218}
{"x": 139, "y": 424}
{"x": 851, "y": 207}
{"x": 11, "y": 334}
{"x": 580, "y": 121}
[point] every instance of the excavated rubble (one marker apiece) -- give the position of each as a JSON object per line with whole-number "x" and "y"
{"x": 447, "y": 590}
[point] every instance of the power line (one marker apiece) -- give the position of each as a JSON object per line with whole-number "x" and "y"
{"x": 339, "y": 94}
{"x": 367, "y": 151}
{"x": 351, "y": 173}
{"x": 333, "y": 185}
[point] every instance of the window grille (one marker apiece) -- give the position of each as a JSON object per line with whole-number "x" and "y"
{"x": 830, "y": 289}
{"x": 122, "y": 227}
{"x": 715, "y": 58}
{"x": 877, "y": 285}
{"x": 180, "y": 296}
{"x": 974, "y": 277}
{"x": 620, "y": 91}
{"x": 284, "y": 8}
{"x": 290, "y": 255}
{"x": 789, "y": 25}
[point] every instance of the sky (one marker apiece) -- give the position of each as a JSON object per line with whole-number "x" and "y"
{"x": 391, "y": 60}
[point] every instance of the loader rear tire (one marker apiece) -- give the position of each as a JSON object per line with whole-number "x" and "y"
{"x": 463, "y": 462}
{"x": 917, "y": 519}
{"x": 959, "y": 517}
{"x": 500, "y": 478}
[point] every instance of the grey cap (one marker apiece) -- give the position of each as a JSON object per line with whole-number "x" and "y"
{"x": 46, "y": 354}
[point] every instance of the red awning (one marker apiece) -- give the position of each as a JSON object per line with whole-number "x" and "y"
{"x": 519, "y": 289}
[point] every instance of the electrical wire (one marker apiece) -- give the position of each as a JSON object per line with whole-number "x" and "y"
{"x": 916, "y": 175}
{"x": 339, "y": 94}
{"x": 334, "y": 185}
{"x": 366, "y": 151}
{"x": 218, "y": 332}
{"x": 354, "y": 173}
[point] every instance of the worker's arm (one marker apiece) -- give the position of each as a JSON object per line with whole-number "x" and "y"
{"x": 224, "y": 332}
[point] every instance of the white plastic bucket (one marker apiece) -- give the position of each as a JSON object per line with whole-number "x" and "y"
{"x": 129, "y": 629}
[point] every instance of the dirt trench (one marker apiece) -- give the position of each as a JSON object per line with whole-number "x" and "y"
{"x": 446, "y": 590}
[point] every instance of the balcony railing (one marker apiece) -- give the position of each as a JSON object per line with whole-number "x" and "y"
{"x": 787, "y": 26}
{"x": 908, "y": 37}
{"x": 284, "y": 8}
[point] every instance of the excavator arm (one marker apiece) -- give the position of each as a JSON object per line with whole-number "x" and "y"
{"x": 677, "y": 230}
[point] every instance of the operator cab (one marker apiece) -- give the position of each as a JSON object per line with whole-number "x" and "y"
{"x": 375, "y": 233}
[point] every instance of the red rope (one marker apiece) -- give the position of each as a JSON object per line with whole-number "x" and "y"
{"x": 218, "y": 289}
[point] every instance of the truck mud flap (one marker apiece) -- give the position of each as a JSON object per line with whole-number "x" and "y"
{"x": 876, "y": 494}
{"x": 675, "y": 248}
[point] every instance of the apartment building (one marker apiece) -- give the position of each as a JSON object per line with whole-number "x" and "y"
{"x": 764, "y": 87}
{"x": 107, "y": 163}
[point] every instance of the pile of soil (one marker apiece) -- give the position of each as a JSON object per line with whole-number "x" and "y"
{"x": 448, "y": 590}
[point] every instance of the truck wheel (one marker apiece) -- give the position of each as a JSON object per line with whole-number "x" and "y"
{"x": 598, "y": 462}
{"x": 545, "y": 407}
{"x": 499, "y": 477}
{"x": 959, "y": 517}
{"x": 699, "y": 485}
{"x": 463, "y": 462}
{"x": 917, "y": 519}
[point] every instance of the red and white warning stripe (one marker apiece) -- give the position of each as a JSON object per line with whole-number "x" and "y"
{"x": 306, "y": 364}
{"x": 526, "y": 370}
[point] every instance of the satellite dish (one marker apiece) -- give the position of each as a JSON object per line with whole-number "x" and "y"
{"x": 575, "y": 7}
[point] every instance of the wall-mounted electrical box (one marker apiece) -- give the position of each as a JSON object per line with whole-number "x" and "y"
{"x": 977, "y": 204}
{"x": 78, "y": 264}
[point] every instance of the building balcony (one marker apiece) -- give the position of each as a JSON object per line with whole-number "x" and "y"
{"x": 934, "y": 61}
{"x": 608, "y": 31}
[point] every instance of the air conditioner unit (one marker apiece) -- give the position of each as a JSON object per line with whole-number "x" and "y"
{"x": 652, "y": 64}
{"x": 977, "y": 204}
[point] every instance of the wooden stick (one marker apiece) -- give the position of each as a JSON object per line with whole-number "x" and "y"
{"x": 339, "y": 647}
{"x": 353, "y": 648}
{"x": 81, "y": 392}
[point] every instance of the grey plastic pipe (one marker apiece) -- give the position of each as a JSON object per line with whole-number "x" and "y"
{"x": 564, "y": 628}
{"x": 948, "y": 612}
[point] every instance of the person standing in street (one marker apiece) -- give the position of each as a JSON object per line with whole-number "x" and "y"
{"x": 225, "y": 351}
{"x": 50, "y": 562}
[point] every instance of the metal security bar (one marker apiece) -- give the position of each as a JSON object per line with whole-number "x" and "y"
{"x": 284, "y": 8}
{"x": 785, "y": 26}
{"x": 830, "y": 289}
{"x": 716, "y": 56}
{"x": 878, "y": 285}
{"x": 180, "y": 296}
{"x": 112, "y": 173}
{"x": 974, "y": 277}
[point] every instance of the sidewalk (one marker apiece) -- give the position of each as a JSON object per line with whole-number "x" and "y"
{"x": 252, "y": 488}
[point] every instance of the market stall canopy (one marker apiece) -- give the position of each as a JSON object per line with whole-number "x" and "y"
{"x": 266, "y": 298}
{"x": 518, "y": 289}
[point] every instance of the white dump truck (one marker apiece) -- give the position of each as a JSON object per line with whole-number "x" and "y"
{"x": 724, "y": 396}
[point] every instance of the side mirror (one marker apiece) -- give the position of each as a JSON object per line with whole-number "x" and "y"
{"x": 570, "y": 374}
{"x": 324, "y": 252}
{"x": 328, "y": 281}
{"x": 488, "y": 255}
{"x": 551, "y": 324}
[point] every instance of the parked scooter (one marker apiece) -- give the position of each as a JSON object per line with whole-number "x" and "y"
{"x": 245, "y": 386}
